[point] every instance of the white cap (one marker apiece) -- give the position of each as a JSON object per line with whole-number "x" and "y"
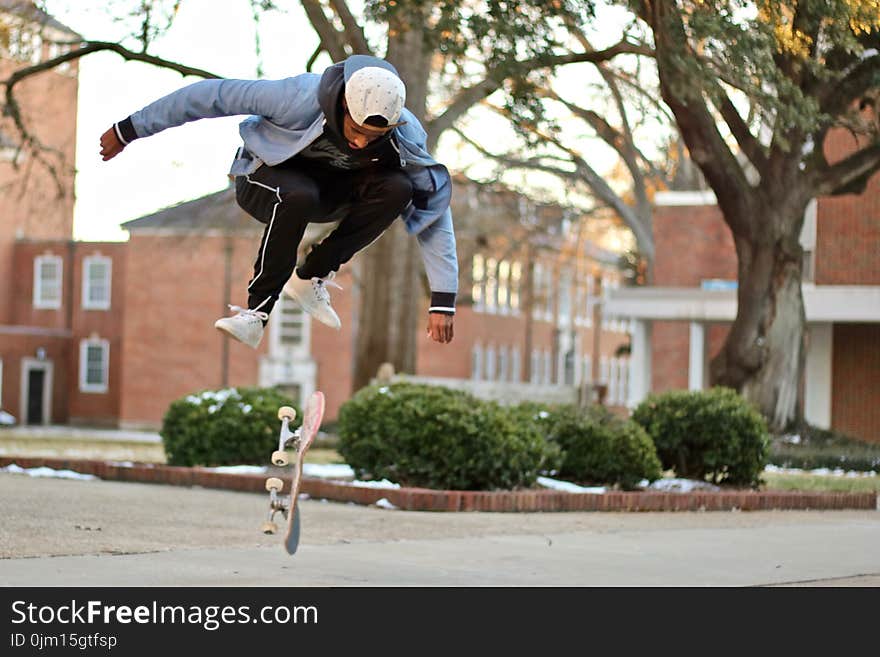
{"x": 374, "y": 91}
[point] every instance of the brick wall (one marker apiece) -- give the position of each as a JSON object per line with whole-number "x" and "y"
{"x": 174, "y": 291}
{"x": 332, "y": 350}
{"x": 692, "y": 243}
{"x": 96, "y": 408}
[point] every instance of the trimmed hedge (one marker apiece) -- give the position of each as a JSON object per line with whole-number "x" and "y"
{"x": 597, "y": 446}
{"x": 224, "y": 427}
{"x": 807, "y": 447}
{"x": 435, "y": 437}
{"x": 713, "y": 434}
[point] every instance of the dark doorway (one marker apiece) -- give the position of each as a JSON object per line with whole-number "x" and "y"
{"x": 36, "y": 379}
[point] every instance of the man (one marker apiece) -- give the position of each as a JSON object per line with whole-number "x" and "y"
{"x": 320, "y": 148}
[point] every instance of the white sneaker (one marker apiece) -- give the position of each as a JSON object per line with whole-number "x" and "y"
{"x": 246, "y": 326}
{"x": 314, "y": 298}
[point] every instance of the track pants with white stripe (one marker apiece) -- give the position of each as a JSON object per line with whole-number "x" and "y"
{"x": 287, "y": 198}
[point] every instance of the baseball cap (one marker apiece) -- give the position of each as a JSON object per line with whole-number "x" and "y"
{"x": 375, "y": 91}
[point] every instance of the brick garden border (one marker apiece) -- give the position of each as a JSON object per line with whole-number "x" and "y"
{"x": 422, "y": 499}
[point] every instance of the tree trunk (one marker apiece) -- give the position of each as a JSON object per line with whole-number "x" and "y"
{"x": 764, "y": 353}
{"x": 390, "y": 298}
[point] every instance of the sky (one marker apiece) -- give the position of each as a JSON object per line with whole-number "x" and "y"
{"x": 190, "y": 161}
{"x": 181, "y": 163}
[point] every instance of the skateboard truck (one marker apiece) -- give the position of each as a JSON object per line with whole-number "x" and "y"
{"x": 277, "y": 502}
{"x": 279, "y": 457}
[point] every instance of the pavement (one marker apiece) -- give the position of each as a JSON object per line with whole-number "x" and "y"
{"x": 56, "y": 532}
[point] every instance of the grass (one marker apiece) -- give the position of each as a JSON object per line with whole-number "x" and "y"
{"x": 820, "y": 483}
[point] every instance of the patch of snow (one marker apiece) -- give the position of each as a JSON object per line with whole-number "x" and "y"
{"x": 679, "y": 485}
{"x": 47, "y": 472}
{"x": 329, "y": 470}
{"x": 375, "y": 484}
{"x": 385, "y": 504}
{"x": 569, "y": 487}
{"x": 239, "y": 469}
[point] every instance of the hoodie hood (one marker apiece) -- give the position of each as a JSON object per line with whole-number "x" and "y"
{"x": 330, "y": 98}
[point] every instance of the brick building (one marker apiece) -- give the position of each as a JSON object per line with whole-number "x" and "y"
{"x": 36, "y": 222}
{"x": 682, "y": 322}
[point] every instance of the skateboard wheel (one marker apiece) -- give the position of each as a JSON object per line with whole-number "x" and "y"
{"x": 269, "y": 527}
{"x": 274, "y": 483}
{"x": 286, "y": 412}
{"x": 280, "y": 458}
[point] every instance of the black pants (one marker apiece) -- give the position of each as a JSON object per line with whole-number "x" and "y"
{"x": 286, "y": 198}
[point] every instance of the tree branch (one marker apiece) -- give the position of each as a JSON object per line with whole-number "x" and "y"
{"x": 851, "y": 174}
{"x": 469, "y": 96}
{"x": 353, "y": 30}
{"x": 333, "y": 40}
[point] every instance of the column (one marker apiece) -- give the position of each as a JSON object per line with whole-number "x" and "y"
{"x": 817, "y": 375}
{"x": 640, "y": 363}
{"x": 697, "y": 357}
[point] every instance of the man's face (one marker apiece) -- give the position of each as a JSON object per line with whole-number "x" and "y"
{"x": 359, "y": 136}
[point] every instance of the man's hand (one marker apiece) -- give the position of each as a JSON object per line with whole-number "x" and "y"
{"x": 440, "y": 327}
{"x": 110, "y": 145}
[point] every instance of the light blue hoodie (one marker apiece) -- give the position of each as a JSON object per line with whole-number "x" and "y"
{"x": 286, "y": 117}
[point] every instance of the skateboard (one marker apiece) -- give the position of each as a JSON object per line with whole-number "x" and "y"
{"x": 299, "y": 440}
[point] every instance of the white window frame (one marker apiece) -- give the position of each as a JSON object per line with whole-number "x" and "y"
{"x": 84, "y": 345}
{"x": 276, "y": 346}
{"x": 39, "y": 301}
{"x": 88, "y": 261}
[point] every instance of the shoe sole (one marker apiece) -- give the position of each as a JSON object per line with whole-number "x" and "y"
{"x": 232, "y": 335}
{"x": 336, "y": 325}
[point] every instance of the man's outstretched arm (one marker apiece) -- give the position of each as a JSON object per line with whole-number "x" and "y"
{"x": 437, "y": 245}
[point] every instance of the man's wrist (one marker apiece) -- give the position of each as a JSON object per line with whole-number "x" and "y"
{"x": 125, "y": 131}
{"x": 443, "y": 303}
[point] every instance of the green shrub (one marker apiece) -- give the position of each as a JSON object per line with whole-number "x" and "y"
{"x": 224, "y": 427}
{"x": 434, "y": 437}
{"x": 807, "y": 447}
{"x": 601, "y": 448}
{"x": 711, "y": 433}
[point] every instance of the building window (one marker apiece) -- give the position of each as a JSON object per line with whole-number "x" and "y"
{"x": 292, "y": 325}
{"x": 491, "y": 285}
{"x": 515, "y": 365}
{"x": 94, "y": 364}
{"x": 503, "y": 364}
{"x": 97, "y": 272}
{"x": 515, "y": 276}
{"x": 490, "y": 363}
{"x": 503, "y": 286}
{"x": 478, "y": 290}
{"x": 477, "y": 362}
{"x": 47, "y": 282}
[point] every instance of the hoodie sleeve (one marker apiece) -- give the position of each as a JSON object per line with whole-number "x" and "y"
{"x": 210, "y": 99}
{"x": 437, "y": 244}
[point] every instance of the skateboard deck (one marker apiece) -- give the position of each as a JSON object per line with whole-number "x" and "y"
{"x": 300, "y": 440}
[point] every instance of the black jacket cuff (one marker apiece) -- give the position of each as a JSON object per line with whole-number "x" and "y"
{"x": 125, "y": 131}
{"x": 442, "y": 302}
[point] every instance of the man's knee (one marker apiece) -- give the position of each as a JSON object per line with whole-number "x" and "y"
{"x": 303, "y": 200}
{"x": 395, "y": 189}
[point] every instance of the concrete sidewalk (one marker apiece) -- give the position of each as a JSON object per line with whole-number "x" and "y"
{"x": 97, "y": 533}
